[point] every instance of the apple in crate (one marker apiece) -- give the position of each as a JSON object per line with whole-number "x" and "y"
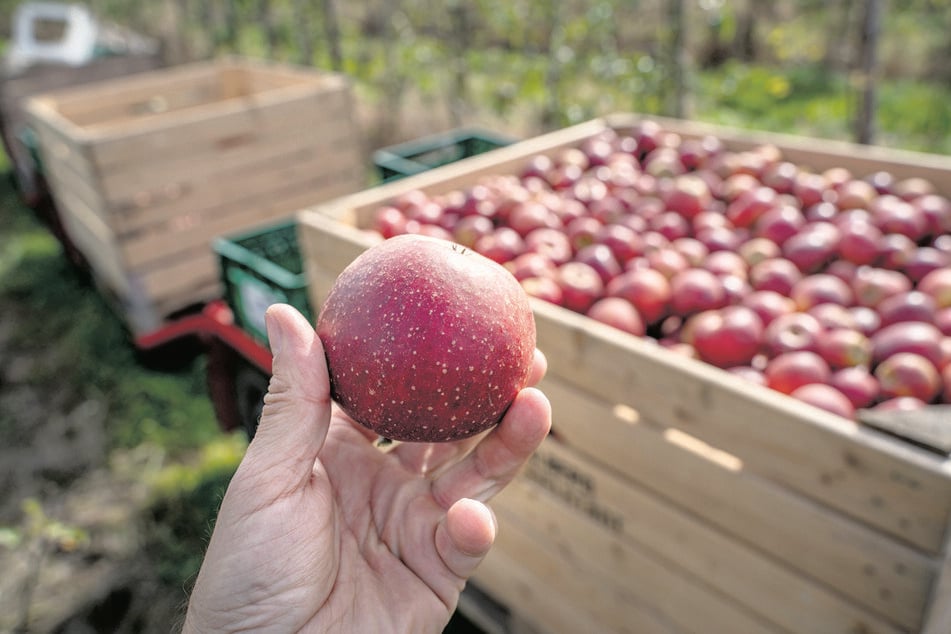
{"x": 426, "y": 340}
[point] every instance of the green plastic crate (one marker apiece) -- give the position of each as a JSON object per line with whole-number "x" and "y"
{"x": 425, "y": 153}
{"x": 260, "y": 268}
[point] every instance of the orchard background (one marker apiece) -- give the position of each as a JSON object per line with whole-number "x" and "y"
{"x": 112, "y": 465}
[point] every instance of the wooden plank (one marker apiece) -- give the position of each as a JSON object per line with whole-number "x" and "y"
{"x": 902, "y": 490}
{"x": 248, "y": 202}
{"x": 146, "y": 183}
{"x": 644, "y": 588}
{"x": 876, "y": 571}
{"x": 578, "y": 493}
{"x": 530, "y": 597}
{"x": 225, "y": 128}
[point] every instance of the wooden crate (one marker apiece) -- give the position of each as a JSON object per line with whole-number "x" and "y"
{"x": 146, "y": 170}
{"x": 17, "y": 88}
{"x": 675, "y": 497}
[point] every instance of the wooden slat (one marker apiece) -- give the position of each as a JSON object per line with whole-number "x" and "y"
{"x": 530, "y": 597}
{"x": 646, "y": 585}
{"x": 235, "y": 128}
{"x": 874, "y": 570}
{"x": 579, "y": 493}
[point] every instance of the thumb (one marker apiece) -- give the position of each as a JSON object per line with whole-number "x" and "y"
{"x": 296, "y": 412}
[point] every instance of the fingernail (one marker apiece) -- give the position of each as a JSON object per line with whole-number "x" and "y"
{"x": 275, "y": 333}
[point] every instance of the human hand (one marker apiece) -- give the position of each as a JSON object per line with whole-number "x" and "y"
{"x": 322, "y": 531}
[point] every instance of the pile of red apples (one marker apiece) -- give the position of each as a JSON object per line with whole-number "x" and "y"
{"x": 829, "y": 286}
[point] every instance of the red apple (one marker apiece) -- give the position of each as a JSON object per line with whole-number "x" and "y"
{"x": 813, "y": 247}
{"x": 907, "y": 306}
{"x": 857, "y": 383}
{"x": 726, "y": 263}
{"x": 779, "y": 223}
{"x": 810, "y": 188}
{"x": 756, "y": 250}
{"x": 768, "y": 305}
{"x": 844, "y": 347}
{"x": 545, "y": 288}
{"x": 825, "y": 397}
{"x": 894, "y": 215}
{"x": 624, "y": 242}
{"x": 581, "y": 285}
{"x": 833, "y": 316}
{"x": 793, "y": 332}
{"x": 389, "y": 221}
{"x": 937, "y": 284}
{"x": 469, "y": 229}
{"x": 437, "y": 309}
{"x": 583, "y": 231}
{"x": 820, "y": 288}
{"x": 907, "y": 336}
{"x": 531, "y": 264}
{"x": 501, "y": 245}
{"x": 694, "y": 251}
{"x": 855, "y": 194}
{"x": 750, "y": 205}
{"x": 860, "y": 242}
{"x": 908, "y": 374}
{"x": 775, "y": 274}
{"x": 867, "y": 320}
{"x": 552, "y": 243}
{"x": 726, "y": 337}
{"x": 942, "y": 319}
{"x": 687, "y": 195}
{"x": 721, "y": 238}
{"x": 619, "y": 313}
{"x": 781, "y": 176}
{"x": 791, "y": 370}
{"x": 894, "y": 251}
{"x": 647, "y": 289}
{"x": 872, "y": 284}
{"x": 937, "y": 212}
{"x": 694, "y": 290}
{"x": 530, "y": 215}
{"x": 924, "y": 260}
{"x": 900, "y": 404}
{"x": 748, "y": 373}
{"x": 601, "y": 259}
{"x": 667, "y": 261}
{"x": 670, "y": 224}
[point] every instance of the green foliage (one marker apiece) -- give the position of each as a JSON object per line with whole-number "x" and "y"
{"x": 185, "y": 502}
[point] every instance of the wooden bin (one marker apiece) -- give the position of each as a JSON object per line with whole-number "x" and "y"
{"x": 146, "y": 170}
{"x": 675, "y": 497}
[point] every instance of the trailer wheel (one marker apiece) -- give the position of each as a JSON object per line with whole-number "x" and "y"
{"x": 250, "y": 387}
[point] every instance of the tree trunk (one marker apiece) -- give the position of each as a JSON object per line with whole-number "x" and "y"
{"x": 460, "y": 29}
{"x": 266, "y": 19}
{"x": 676, "y": 62}
{"x": 305, "y": 45}
{"x": 332, "y": 33}
{"x": 551, "y": 111}
{"x": 866, "y": 75}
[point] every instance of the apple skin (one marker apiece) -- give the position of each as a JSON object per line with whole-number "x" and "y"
{"x": 790, "y": 333}
{"x": 907, "y": 336}
{"x": 857, "y": 383}
{"x": 937, "y": 284}
{"x": 425, "y": 340}
{"x": 825, "y": 397}
{"x": 908, "y": 374}
{"x": 580, "y": 284}
{"x": 618, "y": 313}
{"x": 844, "y": 347}
{"x": 907, "y": 306}
{"x": 694, "y": 290}
{"x": 726, "y": 337}
{"x": 647, "y": 289}
{"x": 791, "y": 370}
